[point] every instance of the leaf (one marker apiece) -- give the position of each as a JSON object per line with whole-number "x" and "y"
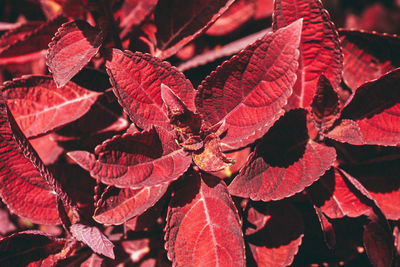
{"x": 39, "y": 106}
{"x": 136, "y": 160}
{"x": 246, "y": 94}
{"x": 237, "y": 15}
{"x": 278, "y": 241}
{"x": 176, "y": 28}
{"x": 6, "y": 224}
{"x": 284, "y": 163}
{"x": 14, "y": 35}
{"x": 25, "y": 247}
{"x": 72, "y": 47}
{"x": 372, "y": 115}
{"x": 135, "y": 12}
{"x": 320, "y": 51}
{"x": 22, "y": 186}
{"x": 137, "y": 80}
{"x": 367, "y": 55}
{"x": 95, "y": 239}
{"x": 381, "y": 181}
{"x": 325, "y": 106}
{"x": 377, "y": 236}
{"x": 34, "y": 42}
{"x": 117, "y": 206}
{"x": 47, "y": 148}
{"x": 336, "y": 197}
{"x": 203, "y": 226}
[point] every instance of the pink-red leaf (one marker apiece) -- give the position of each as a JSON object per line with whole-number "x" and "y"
{"x": 368, "y": 55}
{"x": 246, "y": 94}
{"x": 135, "y": 12}
{"x": 278, "y": 241}
{"x": 320, "y": 51}
{"x": 116, "y": 206}
{"x": 39, "y": 106}
{"x": 381, "y": 181}
{"x": 31, "y": 43}
{"x": 373, "y": 114}
{"x": 325, "y": 106}
{"x": 94, "y": 238}
{"x": 73, "y": 46}
{"x": 137, "y": 80}
{"x": 22, "y": 248}
{"x": 136, "y": 160}
{"x": 336, "y": 197}
{"x": 238, "y": 14}
{"x": 203, "y": 226}
{"x": 22, "y": 186}
{"x": 284, "y": 163}
{"x": 176, "y": 28}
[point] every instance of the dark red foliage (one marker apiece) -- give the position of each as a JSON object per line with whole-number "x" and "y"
{"x": 112, "y": 157}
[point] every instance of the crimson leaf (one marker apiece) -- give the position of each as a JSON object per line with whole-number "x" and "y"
{"x": 176, "y": 28}
{"x": 73, "y": 46}
{"x": 284, "y": 163}
{"x": 203, "y": 226}
{"x": 39, "y": 106}
{"x": 373, "y": 114}
{"x": 116, "y": 206}
{"x": 136, "y": 160}
{"x": 246, "y": 94}
{"x": 137, "y": 80}
{"x": 22, "y": 186}
{"x": 95, "y": 239}
{"x": 320, "y": 51}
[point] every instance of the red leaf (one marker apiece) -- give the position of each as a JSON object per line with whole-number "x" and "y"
{"x": 264, "y": 9}
{"x": 22, "y": 186}
{"x": 39, "y": 106}
{"x": 284, "y": 163}
{"x": 336, "y": 198}
{"x": 176, "y": 28}
{"x": 373, "y": 114}
{"x": 325, "y": 106}
{"x": 246, "y": 94}
{"x": 137, "y": 80}
{"x": 6, "y": 225}
{"x": 72, "y": 47}
{"x": 278, "y": 241}
{"x": 12, "y": 36}
{"x": 34, "y": 42}
{"x": 238, "y": 14}
{"x": 135, "y": 12}
{"x": 203, "y": 226}
{"x": 116, "y": 206}
{"x": 368, "y": 56}
{"x": 136, "y": 161}
{"x": 381, "y": 181}
{"x": 47, "y": 148}
{"x": 95, "y": 239}
{"x": 22, "y": 248}
{"x": 320, "y": 51}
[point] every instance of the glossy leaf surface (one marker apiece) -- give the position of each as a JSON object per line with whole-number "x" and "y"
{"x": 39, "y": 106}
{"x": 246, "y": 94}
{"x": 72, "y": 47}
{"x": 320, "y": 51}
{"x": 203, "y": 226}
{"x": 136, "y": 161}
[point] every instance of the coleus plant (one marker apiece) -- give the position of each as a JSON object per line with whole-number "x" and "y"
{"x": 222, "y": 169}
